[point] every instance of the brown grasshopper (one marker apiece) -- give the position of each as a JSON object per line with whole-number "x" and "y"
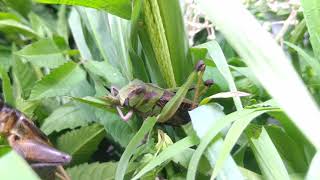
{"x": 148, "y": 99}
{"x": 28, "y": 141}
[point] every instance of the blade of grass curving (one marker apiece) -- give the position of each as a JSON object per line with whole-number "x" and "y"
{"x": 120, "y": 8}
{"x": 230, "y": 140}
{"x": 201, "y": 123}
{"x": 313, "y": 172}
{"x": 267, "y": 61}
{"x": 75, "y": 25}
{"x": 167, "y": 154}
{"x": 268, "y": 157}
{"x": 173, "y": 105}
{"x": 215, "y": 129}
{"x": 217, "y": 56}
{"x": 311, "y": 12}
{"x": 132, "y": 146}
{"x": 311, "y": 61}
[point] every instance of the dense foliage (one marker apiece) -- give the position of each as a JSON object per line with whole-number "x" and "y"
{"x": 59, "y": 59}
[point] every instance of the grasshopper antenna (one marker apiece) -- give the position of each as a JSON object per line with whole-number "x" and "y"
{"x": 200, "y": 68}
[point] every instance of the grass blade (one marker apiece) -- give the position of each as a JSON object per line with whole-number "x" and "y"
{"x": 132, "y": 146}
{"x": 267, "y": 61}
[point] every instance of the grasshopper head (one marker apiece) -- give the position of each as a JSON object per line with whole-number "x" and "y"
{"x": 132, "y": 93}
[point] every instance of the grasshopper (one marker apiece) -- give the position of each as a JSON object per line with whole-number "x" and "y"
{"x": 29, "y": 141}
{"x": 147, "y": 99}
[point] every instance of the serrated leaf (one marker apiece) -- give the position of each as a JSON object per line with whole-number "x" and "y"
{"x": 68, "y": 116}
{"x": 59, "y": 82}
{"x": 81, "y": 143}
{"x": 25, "y": 76}
{"x": 120, "y": 8}
{"x": 107, "y": 72}
{"x": 96, "y": 171}
{"x": 43, "y": 53}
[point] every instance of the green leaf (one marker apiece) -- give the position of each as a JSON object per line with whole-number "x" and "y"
{"x": 167, "y": 154}
{"x": 95, "y": 171}
{"x": 267, "y": 61}
{"x": 107, "y": 72}
{"x": 132, "y": 146}
{"x": 62, "y": 24}
{"x": 155, "y": 29}
{"x": 120, "y": 8}
{"x": 207, "y": 116}
{"x": 313, "y": 172}
{"x": 295, "y": 160}
{"x": 68, "y": 116}
{"x": 311, "y": 13}
{"x": 81, "y": 143}
{"x": 78, "y": 34}
{"x": 13, "y": 26}
{"x": 25, "y": 76}
{"x": 173, "y": 105}
{"x": 173, "y": 24}
{"x": 43, "y": 53}
{"x": 217, "y": 56}
{"x": 13, "y": 162}
{"x": 267, "y": 157}
{"x": 60, "y": 81}
{"x": 216, "y": 128}
{"x": 21, "y": 6}
{"x": 7, "y": 88}
{"x": 5, "y": 58}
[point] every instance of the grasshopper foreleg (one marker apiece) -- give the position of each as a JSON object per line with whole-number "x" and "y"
{"x": 124, "y": 117}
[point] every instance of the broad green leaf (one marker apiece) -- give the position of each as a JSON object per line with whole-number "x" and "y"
{"x": 207, "y": 116}
{"x": 267, "y": 61}
{"x": 25, "y": 75}
{"x": 60, "y": 81}
{"x": 7, "y": 88}
{"x": 217, "y": 56}
{"x": 12, "y": 26}
{"x": 96, "y": 171}
{"x": 173, "y": 24}
{"x": 21, "y": 6}
{"x": 267, "y": 157}
{"x": 132, "y": 146}
{"x": 168, "y": 154}
{"x": 66, "y": 117}
{"x": 311, "y": 13}
{"x": 156, "y": 32}
{"x": 40, "y": 26}
{"x": 216, "y": 128}
{"x": 43, "y": 53}
{"x": 107, "y": 72}
{"x": 81, "y": 143}
{"x": 120, "y": 8}
{"x": 313, "y": 172}
{"x": 13, "y": 162}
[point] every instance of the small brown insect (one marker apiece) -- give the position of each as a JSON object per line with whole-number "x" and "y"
{"x": 29, "y": 141}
